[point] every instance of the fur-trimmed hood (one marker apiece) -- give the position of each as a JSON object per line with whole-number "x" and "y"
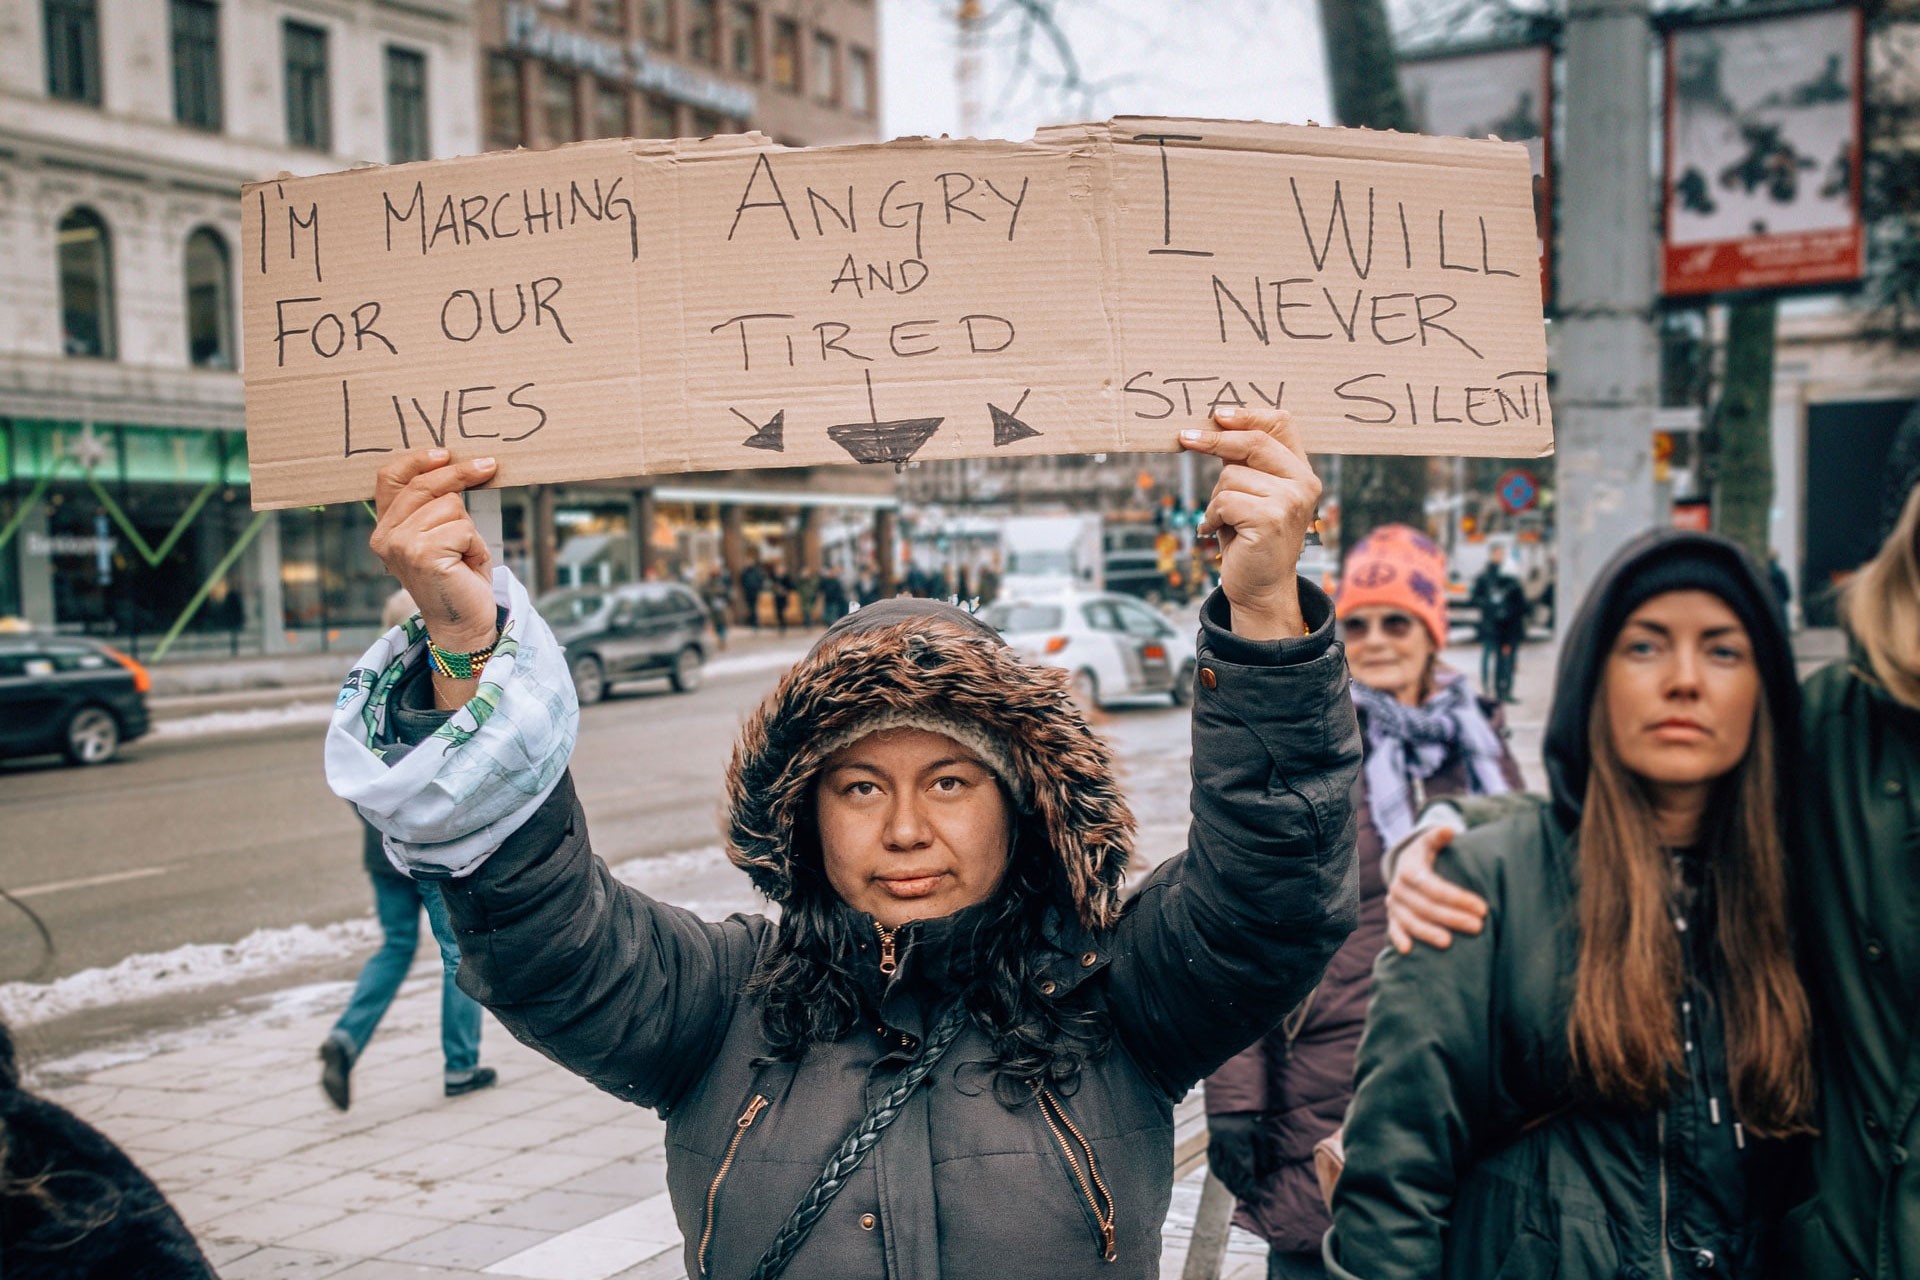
{"x": 919, "y": 657}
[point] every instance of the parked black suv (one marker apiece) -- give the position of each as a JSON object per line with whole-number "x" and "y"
{"x": 70, "y": 695}
{"x": 628, "y": 633}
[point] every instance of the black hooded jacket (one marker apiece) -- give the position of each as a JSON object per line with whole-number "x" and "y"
{"x": 1471, "y": 1151}
{"x": 653, "y": 1004}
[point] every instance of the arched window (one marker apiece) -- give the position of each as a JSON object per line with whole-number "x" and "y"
{"x": 209, "y": 301}
{"x": 86, "y": 285}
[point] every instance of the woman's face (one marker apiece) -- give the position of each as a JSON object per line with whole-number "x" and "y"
{"x": 912, "y": 826}
{"x": 1388, "y": 649}
{"x": 1681, "y": 689}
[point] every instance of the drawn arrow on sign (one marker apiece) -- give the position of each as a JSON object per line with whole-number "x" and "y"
{"x": 1008, "y": 429}
{"x": 771, "y": 437}
{"x": 876, "y": 441}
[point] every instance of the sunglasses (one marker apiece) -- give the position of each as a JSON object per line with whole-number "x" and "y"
{"x": 1395, "y": 626}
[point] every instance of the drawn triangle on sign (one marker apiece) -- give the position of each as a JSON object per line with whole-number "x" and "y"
{"x": 894, "y": 442}
{"x": 1008, "y": 429}
{"x": 771, "y": 437}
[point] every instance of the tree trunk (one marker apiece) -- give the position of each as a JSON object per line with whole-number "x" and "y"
{"x": 1365, "y": 78}
{"x": 1743, "y": 425}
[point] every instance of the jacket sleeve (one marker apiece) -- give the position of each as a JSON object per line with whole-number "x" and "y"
{"x": 1223, "y": 940}
{"x": 1423, "y": 1095}
{"x": 635, "y": 995}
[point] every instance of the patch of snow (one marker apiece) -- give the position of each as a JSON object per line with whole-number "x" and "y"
{"x": 753, "y": 664}
{"x": 194, "y": 967}
{"x": 254, "y": 720}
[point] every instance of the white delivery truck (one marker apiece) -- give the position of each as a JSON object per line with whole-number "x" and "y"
{"x": 1043, "y": 556}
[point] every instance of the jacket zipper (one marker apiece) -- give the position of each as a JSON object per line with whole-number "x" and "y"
{"x": 1090, "y": 1181}
{"x": 888, "y": 961}
{"x": 740, "y": 1128}
{"x": 1666, "y": 1253}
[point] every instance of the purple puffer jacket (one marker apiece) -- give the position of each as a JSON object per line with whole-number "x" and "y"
{"x": 1305, "y": 1096}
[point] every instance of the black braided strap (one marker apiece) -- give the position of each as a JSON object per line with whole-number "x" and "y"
{"x": 852, "y": 1153}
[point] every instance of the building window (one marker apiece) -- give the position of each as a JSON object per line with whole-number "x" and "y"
{"x": 610, "y": 111}
{"x": 826, "y": 59}
{"x": 743, "y": 38}
{"x": 86, "y": 286}
{"x": 209, "y": 301}
{"x": 703, "y": 36}
{"x": 859, "y": 81}
{"x": 406, "y": 105}
{"x": 608, "y": 15}
{"x": 505, "y": 128}
{"x": 196, "y": 63}
{"x": 309, "y": 107}
{"x": 656, "y": 23}
{"x": 73, "y": 50}
{"x": 562, "y": 106}
{"x": 663, "y": 118}
{"x": 786, "y": 54}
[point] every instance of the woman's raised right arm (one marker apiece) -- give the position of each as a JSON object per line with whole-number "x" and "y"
{"x": 467, "y": 779}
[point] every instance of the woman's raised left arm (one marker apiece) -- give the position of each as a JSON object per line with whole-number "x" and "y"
{"x": 1222, "y": 941}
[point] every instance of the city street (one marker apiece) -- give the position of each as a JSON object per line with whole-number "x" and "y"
{"x": 148, "y": 869}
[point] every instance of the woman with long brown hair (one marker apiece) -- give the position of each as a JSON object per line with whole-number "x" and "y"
{"x": 1599, "y": 1083}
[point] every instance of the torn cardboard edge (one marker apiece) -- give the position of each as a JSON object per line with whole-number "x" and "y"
{"x": 1089, "y": 291}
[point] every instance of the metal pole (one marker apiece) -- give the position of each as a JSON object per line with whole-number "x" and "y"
{"x": 1608, "y": 382}
{"x": 484, "y": 506}
{"x": 1212, "y": 1225}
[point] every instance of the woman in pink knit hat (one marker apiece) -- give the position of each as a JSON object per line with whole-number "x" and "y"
{"x": 1426, "y": 734}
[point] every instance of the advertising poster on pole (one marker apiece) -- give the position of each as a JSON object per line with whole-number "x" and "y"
{"x": 1762, "y": 185}
{"x": 1504, "y": 93}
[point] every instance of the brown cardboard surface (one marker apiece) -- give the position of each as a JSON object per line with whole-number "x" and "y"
{"x": 625, "y": 308}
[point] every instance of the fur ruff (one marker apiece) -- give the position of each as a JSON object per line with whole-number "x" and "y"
{"x": 920, "y": 667}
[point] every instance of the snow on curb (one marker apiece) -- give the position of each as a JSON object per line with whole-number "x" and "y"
{"x": 685, "y": 878}
{"x": 298, "y": 714}
{"x": 753, "y": 664}
{"x": 193, "y": 967}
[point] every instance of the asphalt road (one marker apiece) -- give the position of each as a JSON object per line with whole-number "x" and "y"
{"x": 207, "y": 839}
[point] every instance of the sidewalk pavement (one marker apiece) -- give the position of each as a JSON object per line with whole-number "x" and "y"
{"x": 541, "y": 1177}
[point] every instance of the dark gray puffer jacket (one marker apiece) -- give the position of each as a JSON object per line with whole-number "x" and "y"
{"x": 647, "y": 1000}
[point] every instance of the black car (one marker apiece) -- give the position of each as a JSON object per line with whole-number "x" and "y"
{"x": 629, "y": 633}
{"x": 70, "y": 695}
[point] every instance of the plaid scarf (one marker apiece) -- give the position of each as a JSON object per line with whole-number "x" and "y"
{"x": 1407, "y": 745}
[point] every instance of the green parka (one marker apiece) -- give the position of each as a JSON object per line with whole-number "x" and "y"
{"x": 1472, "y": 1154}
{"x": 1859, "y": 897}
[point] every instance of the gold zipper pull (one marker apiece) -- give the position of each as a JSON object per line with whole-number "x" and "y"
{"x": 754, "y": 1108}
{"x": 888, "y": 962}
{"x": 1106, "y": 1237}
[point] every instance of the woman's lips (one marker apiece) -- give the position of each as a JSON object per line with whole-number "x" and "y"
{"x": 911, "y": 886}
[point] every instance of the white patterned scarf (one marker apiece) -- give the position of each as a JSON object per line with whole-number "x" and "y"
{"x": 1407, "y": 745}
{"x": 445, "y": 805}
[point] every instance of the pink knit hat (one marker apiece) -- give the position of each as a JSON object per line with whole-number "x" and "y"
{"x": 1398, "y": 567}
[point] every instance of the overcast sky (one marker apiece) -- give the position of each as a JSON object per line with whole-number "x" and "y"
{"x": 1234, "y": 59}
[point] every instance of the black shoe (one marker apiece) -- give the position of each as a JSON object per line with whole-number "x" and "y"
{"x": 478, "y": 1078}
{"x": 336, "y": 1066}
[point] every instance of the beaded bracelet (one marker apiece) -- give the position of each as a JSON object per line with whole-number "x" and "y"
{"x": 458, "y": 666}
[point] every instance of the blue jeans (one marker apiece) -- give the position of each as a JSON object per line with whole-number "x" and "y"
{"x": 398, "y": 903}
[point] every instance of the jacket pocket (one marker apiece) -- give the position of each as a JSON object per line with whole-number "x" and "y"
{"x": 748, "y": 1115}
{"x": 1081, "y": 1163}
{"x": 1532, "y": 1257}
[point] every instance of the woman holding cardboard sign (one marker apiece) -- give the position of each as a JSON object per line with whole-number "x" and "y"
{"x": 958, "y": 1046}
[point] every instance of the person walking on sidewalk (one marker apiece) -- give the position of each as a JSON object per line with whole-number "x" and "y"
{"x": 1611, "y": 1078}
{"x": 1425, "y": 734}
{"x": 957, "y": 1050}
{"x": 398, "y": 902}
{"x": 1502, "y": 603}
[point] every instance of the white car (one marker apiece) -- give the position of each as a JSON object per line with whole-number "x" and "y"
{"x": 1116, "y": 647}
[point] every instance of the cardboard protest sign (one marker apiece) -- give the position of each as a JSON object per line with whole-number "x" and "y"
{"x": 623, "y": 308}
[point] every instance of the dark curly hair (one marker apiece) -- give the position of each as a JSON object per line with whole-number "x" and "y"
{"x": 811, "y": 995}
